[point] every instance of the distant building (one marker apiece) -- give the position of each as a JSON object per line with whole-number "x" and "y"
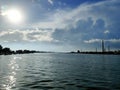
{"x": 103, "y": 46}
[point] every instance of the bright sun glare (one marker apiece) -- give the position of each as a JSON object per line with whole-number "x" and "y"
{"x": 14, "y": 16}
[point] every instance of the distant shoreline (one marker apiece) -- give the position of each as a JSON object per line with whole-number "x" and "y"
{"x": 8, "y": 51}
{"x": 98, "y": 53}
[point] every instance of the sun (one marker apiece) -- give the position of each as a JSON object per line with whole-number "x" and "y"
{"x": 14, "y": 16}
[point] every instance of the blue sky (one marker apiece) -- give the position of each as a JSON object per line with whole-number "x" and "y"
{"x": 61, "y": 25}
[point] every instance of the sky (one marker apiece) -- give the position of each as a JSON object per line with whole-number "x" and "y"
{"x": 60, "y": 25}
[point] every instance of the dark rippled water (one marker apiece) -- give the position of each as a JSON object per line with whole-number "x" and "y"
{"x": 52, "y": 71}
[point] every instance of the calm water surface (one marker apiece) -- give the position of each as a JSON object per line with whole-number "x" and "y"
{"x": 53, "y": 71}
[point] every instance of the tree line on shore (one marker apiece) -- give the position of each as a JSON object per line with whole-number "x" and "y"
{"x": 8, "y": 51}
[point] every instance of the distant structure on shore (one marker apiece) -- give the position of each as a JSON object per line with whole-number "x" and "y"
{"x": 103, "y": 50}
{"x": 103, "y": 46}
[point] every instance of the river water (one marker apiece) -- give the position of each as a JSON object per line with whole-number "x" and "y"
{"x": 59, "y": 71}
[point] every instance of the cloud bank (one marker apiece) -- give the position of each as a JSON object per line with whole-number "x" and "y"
{"x": 78, "y": 27}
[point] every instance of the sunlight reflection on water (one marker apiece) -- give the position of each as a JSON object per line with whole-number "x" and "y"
{"x": 11, "y": 78}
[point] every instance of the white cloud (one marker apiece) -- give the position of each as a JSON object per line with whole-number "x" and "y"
{"x": 99, "y": 40}
{"x": 114, "y": 40}
{"x": 106, "y": 31}
{"x": 26, "y": 35}
{"x": 92, "y": 41}
{"x": 51, "y": 2}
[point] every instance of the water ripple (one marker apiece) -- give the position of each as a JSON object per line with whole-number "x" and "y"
{"x": 59, "y": 72}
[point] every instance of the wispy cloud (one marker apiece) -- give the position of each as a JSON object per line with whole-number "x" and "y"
{"x": 92, "y": 41}
{"x": 51, "y": 2}
{"x": 99, "y": 40}
{"x": 114, "y": 40}
{"x": 106, "y": 31}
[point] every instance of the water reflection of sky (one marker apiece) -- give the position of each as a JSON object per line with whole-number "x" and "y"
{"x": 11, "y": 77}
